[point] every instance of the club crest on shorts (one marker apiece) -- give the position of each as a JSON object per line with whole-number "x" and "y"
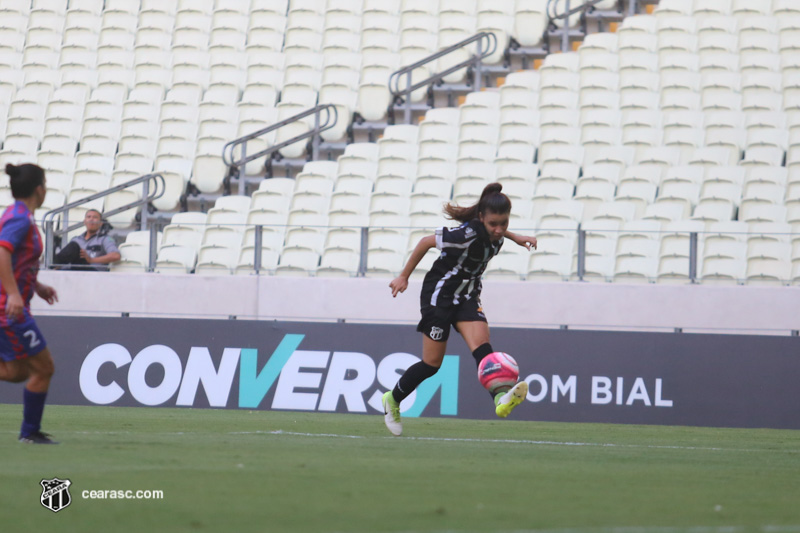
{"x": 436, "y": 333}
{"x": 55, "y": 493}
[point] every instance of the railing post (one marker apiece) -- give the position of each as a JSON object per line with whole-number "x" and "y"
{"x": 407, "y": 104}
{"x": 362, "y": 262}
{"x": 565, "y": 35}
{"x": 145, "y": 213}
{"x": 50, "y": 242}
{"x": 259, "y": 239}
{"x": 151, "y": 260}
{"x": 693, "y": 257}
{"x": 241, "y": 171}
{"x": 581, "y": 254}
{"x": 316, "y": 137}
{"x": 478, "y": 81}
{"x": 477, "y": 68}
{"x": 64, "y": 227}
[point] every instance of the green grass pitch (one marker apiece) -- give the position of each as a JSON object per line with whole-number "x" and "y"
{"x": 225, "y": 470}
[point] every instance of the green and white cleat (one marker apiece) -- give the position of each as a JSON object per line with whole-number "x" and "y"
{"x": 505, "y": 403}
{"x": 392, "y": 414}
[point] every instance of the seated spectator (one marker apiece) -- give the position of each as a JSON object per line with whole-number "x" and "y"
{"x": 90, "y": 251}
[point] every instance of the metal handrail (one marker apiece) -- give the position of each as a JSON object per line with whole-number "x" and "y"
{"x": 580, "y": 273}
{"x": 569, "y": 12}
{"x": 487, "y": 45}
{"x": 148, "y": 195}
{"x": 331, "y": 118}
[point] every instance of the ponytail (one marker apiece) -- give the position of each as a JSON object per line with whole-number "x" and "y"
{"x": 492, "y": 200}
{"x": 24, "y": 179}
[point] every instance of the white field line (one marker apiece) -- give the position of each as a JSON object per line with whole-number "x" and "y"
{"x": 651, "y": 529}
{"x": 280, "y": 432}
{"x": 500, "y": 441}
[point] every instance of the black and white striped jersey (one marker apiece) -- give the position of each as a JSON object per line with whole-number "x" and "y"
{"x": 455, "y": 276}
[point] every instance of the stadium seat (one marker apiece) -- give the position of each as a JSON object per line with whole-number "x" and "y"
{"x": 638, "y": 195}
{"x": 723, "y": 270}
{"x": 297, "y": 262}
{"x": 550, "y": 265}
{"x": 642, "y": 174}
{"x": 347, "y": 236}
{"x": 175, "y": 259}
{"x": 768, "y": 271}
{"x": 634, "y": 269}
{"x": 185, "y": 229}
{"x": 602, "y": 172}
{"x": 134, "y": 258}
{"x": 338, "y": 263}
{"x": 273, "y": 228}
{"x": 592, "y": 194}
{"x": 216, "y": 260}
{"x": 246, "y": 262}
{"x": 224, "y": 228}
{"x": 785, "y": 7}
{"x": 599, "y": 263}
{"x": 508, "y": 264}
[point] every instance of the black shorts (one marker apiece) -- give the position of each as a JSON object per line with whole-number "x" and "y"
{"x": 436, "y": 321}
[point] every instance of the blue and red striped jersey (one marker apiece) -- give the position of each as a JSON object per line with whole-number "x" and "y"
{"x": 20, "y": 236}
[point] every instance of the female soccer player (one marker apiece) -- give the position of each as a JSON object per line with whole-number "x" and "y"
{"x": 23, "y": 351}
{"x": 451, "y": 294}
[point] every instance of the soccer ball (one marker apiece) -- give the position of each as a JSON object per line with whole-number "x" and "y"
{"x": 498, "y": 372}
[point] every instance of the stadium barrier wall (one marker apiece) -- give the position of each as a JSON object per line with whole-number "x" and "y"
{"x": 574, "y": 376}
{"x": 695, "y": 308}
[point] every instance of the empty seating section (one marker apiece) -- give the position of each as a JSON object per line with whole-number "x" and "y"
{"x": 686, "y": 120}
{"x": 161, "y": 87}
{"x": 682, "y": 121}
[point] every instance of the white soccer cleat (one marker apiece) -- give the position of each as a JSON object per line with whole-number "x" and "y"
{"x": 392, "y": 414}
{"x": 506, "y": 403}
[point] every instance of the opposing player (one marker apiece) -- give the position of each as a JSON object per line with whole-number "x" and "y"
{"x": 451, "y": 294}
{"x": 23, "y": 351}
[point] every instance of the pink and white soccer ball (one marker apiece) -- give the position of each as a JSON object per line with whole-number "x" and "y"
{"x": 498, "y": 372}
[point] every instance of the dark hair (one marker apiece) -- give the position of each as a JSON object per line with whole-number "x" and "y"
{"x": 492, "y": 201}
{"x": 24, "y": 179}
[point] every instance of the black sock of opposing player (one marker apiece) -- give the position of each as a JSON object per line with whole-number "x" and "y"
{"x": 482, "y": 351}
{"x": 410, "y": 380}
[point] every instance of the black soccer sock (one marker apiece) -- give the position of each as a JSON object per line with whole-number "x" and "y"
{"x": 410, "y": 380}
{"x": 482, "y": 351}
{"x": 32, "y": 409}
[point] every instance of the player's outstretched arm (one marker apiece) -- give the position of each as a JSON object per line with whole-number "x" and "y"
{"x": 522, "y": 240}
{"x": 46, "y": 293}
{"x": 400, "y": 283}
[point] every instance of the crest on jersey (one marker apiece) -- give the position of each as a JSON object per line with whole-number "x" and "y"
{"x": 55, "y": 493}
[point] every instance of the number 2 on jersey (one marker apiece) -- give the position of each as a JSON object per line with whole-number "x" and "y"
{"x": 33, "y": 339}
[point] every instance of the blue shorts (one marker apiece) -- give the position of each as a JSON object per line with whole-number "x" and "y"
{"x": 21, "y": 339}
